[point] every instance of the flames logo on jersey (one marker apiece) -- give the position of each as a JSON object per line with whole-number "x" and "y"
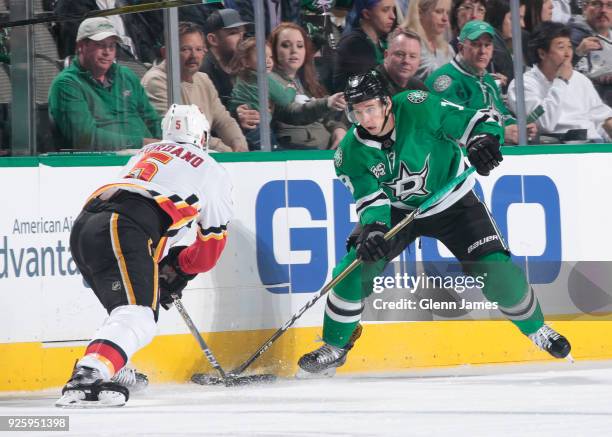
{"x": 408, "y": 184}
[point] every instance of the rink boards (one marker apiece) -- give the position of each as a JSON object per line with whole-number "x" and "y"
{"x": 291, "y": 219}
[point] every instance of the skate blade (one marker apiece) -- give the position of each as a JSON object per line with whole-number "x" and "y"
{"x": 75, "y": 399}
{"x": 303, "y": 374}
{"x": 569, "y": 358}
{"x": 232, "y": 380}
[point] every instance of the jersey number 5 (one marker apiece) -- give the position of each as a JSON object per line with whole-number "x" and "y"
{"x": 147, "y": 167}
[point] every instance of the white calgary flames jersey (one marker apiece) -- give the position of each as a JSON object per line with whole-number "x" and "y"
{"x": 186, "y": 183}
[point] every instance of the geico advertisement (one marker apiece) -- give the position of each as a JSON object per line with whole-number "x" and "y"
{"x": 289, "y": 230}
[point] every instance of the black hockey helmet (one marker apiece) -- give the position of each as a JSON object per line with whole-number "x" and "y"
{"x": 362, "y": 87}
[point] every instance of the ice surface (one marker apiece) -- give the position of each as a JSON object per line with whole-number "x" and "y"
{"x": 542, "y": 399}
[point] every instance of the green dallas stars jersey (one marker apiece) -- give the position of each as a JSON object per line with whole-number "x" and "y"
{"x": 424, "y": 156}
{"x": 454, "y": 82}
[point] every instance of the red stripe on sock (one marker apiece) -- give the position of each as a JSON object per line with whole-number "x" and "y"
{"x": 108, "y": 352}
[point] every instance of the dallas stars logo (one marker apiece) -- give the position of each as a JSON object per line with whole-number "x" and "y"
{"x": 408, "y": 184}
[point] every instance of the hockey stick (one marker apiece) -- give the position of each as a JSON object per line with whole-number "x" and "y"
{"x": 352, "y": 266}
{"x": 201, "y": 378}
{"x": 128, "y": 9}
{"x": 241, "y": 287}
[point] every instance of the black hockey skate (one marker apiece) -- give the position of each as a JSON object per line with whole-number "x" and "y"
{"x": 551, "y": 341}
{"x": 131, "y": 379}
{"x": 322, "y": 362}
{"x": 325, "y": 360}
{"x": 87, "y": 389}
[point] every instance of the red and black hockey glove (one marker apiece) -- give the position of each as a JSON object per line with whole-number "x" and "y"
{"x": 171, "y": 278}
{"x": 371, "y": 244}
{"x": 484, "y": 153}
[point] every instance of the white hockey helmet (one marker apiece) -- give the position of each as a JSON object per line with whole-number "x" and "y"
{"x": 186, "y": 124}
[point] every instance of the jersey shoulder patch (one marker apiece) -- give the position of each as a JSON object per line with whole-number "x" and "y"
{"x": 442, "y": 83}
{"x": 417, "y": 96}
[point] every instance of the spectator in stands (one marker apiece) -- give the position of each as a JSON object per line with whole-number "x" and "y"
{"x": 402, "y": 59}
{"x": 430, "y": 20}
{"x": 246, "y": 93}
{"x": 196, "y": 89}
{"x": 97, "y": 104}
{"x": 275, "y": 11}
{"x": 566, "y": 98}
{"x": 499, "y": 16}
{"x": 537, "y": 11}
{"x": 463, "y": 11}
{"x": 293, "y": 54}
{"x": 465, "y": 80}
{"x": 224, "y": 30}
{"x": 281, "y": 97}
{"x": 592, "y": 41}
{"x": 321, "y": 24}
{"x": 362, "y": 48}
{"x": 67, "y": 30}
{"x": 145, "y": 27}
{"x": 142, "y": 33}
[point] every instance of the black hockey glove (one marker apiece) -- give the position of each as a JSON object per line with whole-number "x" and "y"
{"x": 171, "y": 278}
{"x": 483, "y": 153}
{"x": 371, "y": 244}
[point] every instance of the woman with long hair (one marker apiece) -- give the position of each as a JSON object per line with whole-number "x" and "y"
{"x": 283, "y": 106}
{"x": 536, "y": 12}
{"x": 499, "y": 16}
{"x": 430, "y": 20}
{"x": 293, "y": 53}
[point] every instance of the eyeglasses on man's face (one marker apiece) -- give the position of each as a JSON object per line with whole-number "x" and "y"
{"x": 597, "y": 4}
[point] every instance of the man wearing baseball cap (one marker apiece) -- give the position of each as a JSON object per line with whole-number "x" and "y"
{"x": 224, "y": 29}
{"x": 466, "y": 82}
{"x": 96, "y": 104}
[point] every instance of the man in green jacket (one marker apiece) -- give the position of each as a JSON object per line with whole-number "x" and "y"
{"x": 96, "y": 104}
{"x": 465, "y": 81}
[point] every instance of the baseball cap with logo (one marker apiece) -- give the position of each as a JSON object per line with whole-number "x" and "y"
{"x": 223, "y": 19}
{"x": 97, "y": 29}
{"x": 474, "y": 29}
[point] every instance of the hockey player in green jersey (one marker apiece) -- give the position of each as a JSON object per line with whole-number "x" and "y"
{"x": 397, "y": 154}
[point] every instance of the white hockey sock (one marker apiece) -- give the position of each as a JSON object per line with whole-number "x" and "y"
{"x": 127, "y": 329}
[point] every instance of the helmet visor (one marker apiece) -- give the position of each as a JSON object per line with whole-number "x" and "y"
{"x": 361, "y": 112}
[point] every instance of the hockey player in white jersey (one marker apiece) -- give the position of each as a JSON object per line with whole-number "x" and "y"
{"x": 123, "y": 243}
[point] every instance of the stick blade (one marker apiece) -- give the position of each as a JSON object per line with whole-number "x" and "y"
{"x": 232, "y": 380}
{"x": 264, "y": 378}
{"x": 204, "y": 379}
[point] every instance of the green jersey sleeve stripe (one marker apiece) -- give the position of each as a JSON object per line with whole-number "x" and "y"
{"x": 378, "y": 198}
{"x": 359, "y": 203}
{"x": 380, "y": 202}
{"x": 481, "y": 116}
